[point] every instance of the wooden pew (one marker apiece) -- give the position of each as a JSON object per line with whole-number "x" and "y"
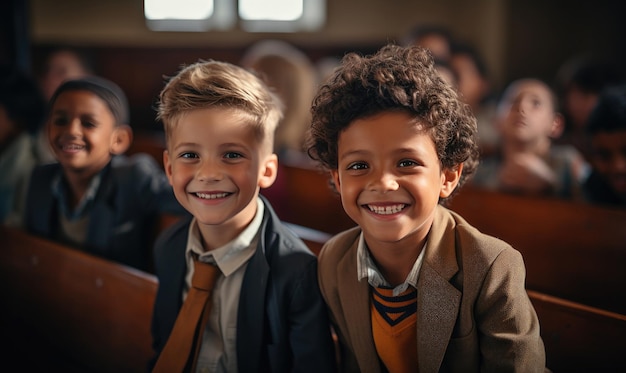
{"x": 306, "y": 199}
{"x": 93, "y": 315}
{"x": 580, "y": 338}
{"x": 571, "y": 250}
{"x": 151, "y": 143}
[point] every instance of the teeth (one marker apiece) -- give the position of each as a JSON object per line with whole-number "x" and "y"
{"x": 211, "y": 196}
{"x": 73, "y": 147}
{"x": 386, "y": 210}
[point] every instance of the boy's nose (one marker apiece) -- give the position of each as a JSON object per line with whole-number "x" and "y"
{"x": 209, "y": 171}
{"x": 75, "y": 127}
{"x": 383, "y": 182}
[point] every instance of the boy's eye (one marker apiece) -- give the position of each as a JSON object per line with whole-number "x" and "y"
{"x": 59, "y": 121}
{"x": 357, "y": 166}
{"x": 89, "y": 124}
{"x": 188, "y": 155}
{"x": 407, "y": 163}
{"x": 232, "y": 155}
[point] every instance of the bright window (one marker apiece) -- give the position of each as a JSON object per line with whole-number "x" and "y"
{"x": 180, "y": 9}
{"x": 270, "y": 10}
{"x": 250, "y": 15}
{"x": 190, "y": 15}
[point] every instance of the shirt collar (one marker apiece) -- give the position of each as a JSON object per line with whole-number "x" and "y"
{"x": 60, "y": 190}
{"x": 366, "y": 268}
{"x": 232, "y": 255}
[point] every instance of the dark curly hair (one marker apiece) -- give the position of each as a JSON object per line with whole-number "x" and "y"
{"x": 393, "y": 79}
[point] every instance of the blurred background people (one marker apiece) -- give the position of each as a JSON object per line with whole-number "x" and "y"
{"x": 579, "y": 82}
{"x": 606, "y": 129}
{"x": 293, "y": 76}
{"x": 61, "y": 64}
{"x": 435, "y": 38}
{"x": 476, "y": 90}
{"x": 528, "y": 162}
{"x": 22, "y": 112}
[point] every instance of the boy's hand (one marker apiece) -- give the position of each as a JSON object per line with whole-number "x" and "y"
{"x": 528, "y": 174}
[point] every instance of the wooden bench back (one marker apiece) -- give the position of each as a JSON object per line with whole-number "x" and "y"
{"x": 580, "y": 338}
{"x": 309, "y": 201}
{"x": 95, "y": 312}
{"x": 571, "y": 250}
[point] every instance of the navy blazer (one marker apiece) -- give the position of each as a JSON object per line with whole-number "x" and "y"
{"x": 133, "y": 192}
{"x": 282, "y": 321}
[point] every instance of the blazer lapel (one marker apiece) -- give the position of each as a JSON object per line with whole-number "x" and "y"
{"x": 438, "y": 301}
{"x": 250, "y": 319}
{"x": 354, "y": 296}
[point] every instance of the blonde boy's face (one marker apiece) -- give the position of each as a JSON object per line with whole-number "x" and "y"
{"x": 527, "y": 113}
{"x": 216, "y": 165}
{"x": 81, "y": 131}
{"x": 390, "y": 178}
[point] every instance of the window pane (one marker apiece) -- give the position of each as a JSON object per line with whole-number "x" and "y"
{"x": 178, "y": 9}
{"x": 272, "y": 10}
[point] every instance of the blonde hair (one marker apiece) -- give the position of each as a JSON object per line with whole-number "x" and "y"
{"x": 209, "y": 83}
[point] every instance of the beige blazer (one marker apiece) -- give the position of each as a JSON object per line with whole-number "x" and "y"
{"x": 473, "y": 312}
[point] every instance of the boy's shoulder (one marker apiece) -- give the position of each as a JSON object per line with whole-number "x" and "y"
{"x": 469, "y": 241}
{"x": 339, "y": 245}
{"x": 46, "y": 171}
{"x": 175, "y": 232}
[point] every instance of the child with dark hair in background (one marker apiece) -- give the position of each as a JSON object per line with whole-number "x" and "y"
{"x": 22, "y": 112}
{"x": 474, "y": 85}
{"x": 436, "y": 38}
{"x": 413, "y": 287}
{"x": 264, "y": 312}
{"x": 94, "y": 198}
{"x": 580, "y": 81}
{"x": 527, "y": 161}
{"x": 60, "y": 64}
{"x": 606, "y": 130}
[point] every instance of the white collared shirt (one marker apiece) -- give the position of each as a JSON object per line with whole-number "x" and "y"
{"x": 219, "y": 350}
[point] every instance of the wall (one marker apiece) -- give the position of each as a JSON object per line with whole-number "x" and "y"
{"x": 517, "y": 38}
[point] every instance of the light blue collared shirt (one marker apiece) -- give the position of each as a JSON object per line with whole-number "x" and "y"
{"x": 366, "y": 268}
{"x": 59, "y": 187}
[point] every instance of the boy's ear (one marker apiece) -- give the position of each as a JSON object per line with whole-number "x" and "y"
{"x": 334, "y": 174}
{"x": 269, "y": 171}
{"x": 558, "y": 125}
{"x": 450, "y": 178}
{"x": 121, "y": 140}
{"x": 167, "y": 165}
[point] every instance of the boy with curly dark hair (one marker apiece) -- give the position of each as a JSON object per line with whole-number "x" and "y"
{"x": 413, "y": 287}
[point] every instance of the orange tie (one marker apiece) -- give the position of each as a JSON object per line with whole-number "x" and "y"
{"x": 190, "y": 323}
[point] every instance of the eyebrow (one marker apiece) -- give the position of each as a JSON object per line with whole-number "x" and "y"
{"x": 400, "y": 151}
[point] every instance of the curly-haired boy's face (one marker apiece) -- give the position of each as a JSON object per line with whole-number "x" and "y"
{"x": 216, "y": 164}
{"x": 390, "y": 178}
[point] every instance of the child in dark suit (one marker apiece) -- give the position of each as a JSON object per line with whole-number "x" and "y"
{"x": 94, "y": 198}
{"x": 414, "y": 287}
{"x": 266, "y": 312}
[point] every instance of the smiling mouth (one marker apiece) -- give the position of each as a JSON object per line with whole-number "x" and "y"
{"x": 211, "y": 195}
{"x": 72, "y": 147}
{"x": 386, "y": 210}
